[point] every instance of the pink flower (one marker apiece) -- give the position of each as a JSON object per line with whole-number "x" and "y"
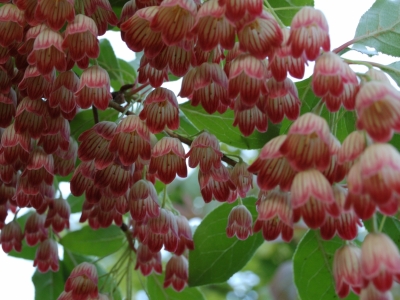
{"x": 242, "y": 178}
{"x": 283, "y": 61}
{"x": 260, "y": 36}
{"x": 55, "y": 13}
{"x": 58, "y": 215}
{"x": 282, "y": 100}
{"x": 81, "y": 40}
{"x": 376, "y": 175}
{"x": 160, "y": 110}
{"x": 275, "y": 215}
{"x": 380, "y": 261}
{"x": 312, "y": 198}
{"x": 11, "y": 237}
{"x": 207, "y": 85}
{"x": 46, "y": 256}
{"x": 272, "y": 167}
{"x": 137, "y": 33}
{"x": 309, "y": 143}
{"x": 162, "y": 231}
{"x": 12, "y": 24}
{"x": 82, "y": 282}
{"x": 347, "y": 270}
{"x": 95, "y": 142}
{"x": 248, "y": 118}
{"x": 176, "y": 273}
{"x": 204, "y": 151}
{"x": 94, "y": 88}
{"x": 143, "y": 201}
{"x": 212, "y": 28}
{"x": 62, "y": 93}
{"x": 131, "y": 140}
{"x": 168, "y": 160}
{"x": 235, "y": 10}
{"x": 147, "y": 261}
{"x": 174, "y": 19}
{"x": 35, "y": 229}
{"x": 47, "y": 52}
{"x": 378, "y": 110}
{"x": 239, "y": 223}
{"x": 185, "y": 235}
{"x": 309, "y": 32}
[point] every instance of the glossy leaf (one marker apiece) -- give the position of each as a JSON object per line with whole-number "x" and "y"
{"x": 87, "y": 241}
{"x": 48, "y": 286}
{"x": 216, "y": 257}
{"x": 286, "y": 15}
{"x": 391, "y": 227}
{"x": 186, "y": 127}
{"x": 84, "y": 120}
{"x": 379, "y": 27}
{"x": 156, "y": 291}
{"x": 313, "y": 261}
{"x": 109, "y": 61}
{"x": 75, "y": 203}
{"x": 221, "y": 126}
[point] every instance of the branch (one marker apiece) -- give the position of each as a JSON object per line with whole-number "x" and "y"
{"x": 95, "y": 115}
{"x": 128, "y": 235}
{"x": 171, "y": 133}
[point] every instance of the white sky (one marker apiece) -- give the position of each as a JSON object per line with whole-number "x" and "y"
{"x": 342, "y": 16}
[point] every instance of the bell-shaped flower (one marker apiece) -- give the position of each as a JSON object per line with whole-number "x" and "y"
{"x": 143, "y": 201}
{"x": 47, "y": 256}
{"x": 275, "y": 215}
{"x": 148, "y": 261}
{"x": 160, "y": 110}
{"x": 309, "y": 31}
{"x": 176, "y": 273}
{"x": 239, "y": 223}
{"x": 11, "y": 237}
{"x": 54, "y": 14}
{"x": 94, "y": 88}
{"x": 378, "y": 110}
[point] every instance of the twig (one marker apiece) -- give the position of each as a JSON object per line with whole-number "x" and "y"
{"x": 128, "y": 235}
{"x": 95, "y": 115}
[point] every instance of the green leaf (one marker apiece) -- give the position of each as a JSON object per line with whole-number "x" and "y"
{"x": 285, "y": 14}
{"x": 379, "y": 27}
{"x": 313, "y": 267}
{"x": 216, "y": 257}
{"x": 75, "y": 203}
{"x": 186, "y": 127}
{"x": 391, "y": 227}
{"x": 156, "y": 291}
{"x": 109, "y": 61}
{"x": 27, "y": 252}
{"x": 48, "y": 286}
{"x": 100, "y": 242}
{"x": 128, "y": 72}
{"x": 221, "y": 127}
{"x": 393, "y": 70}
{"x": 84, "y": 120}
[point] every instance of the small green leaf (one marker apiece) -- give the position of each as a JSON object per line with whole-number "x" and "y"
{"x": 75, "y": 203}
{"x": 313, "y": 261}
{"x": 100, "y": 242}
{"x": 379, "y": 27}
{"x": 109, "y": 61}
{"x": 156, "y": 291}
{"x": 84, "y": 120}
{"x": 49, "y": 285}
{"x": 216, "y": 257}
{"x": 285, "y": 14}
{"x": 128, "y": 72}
{"x": 221, "y": 126}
